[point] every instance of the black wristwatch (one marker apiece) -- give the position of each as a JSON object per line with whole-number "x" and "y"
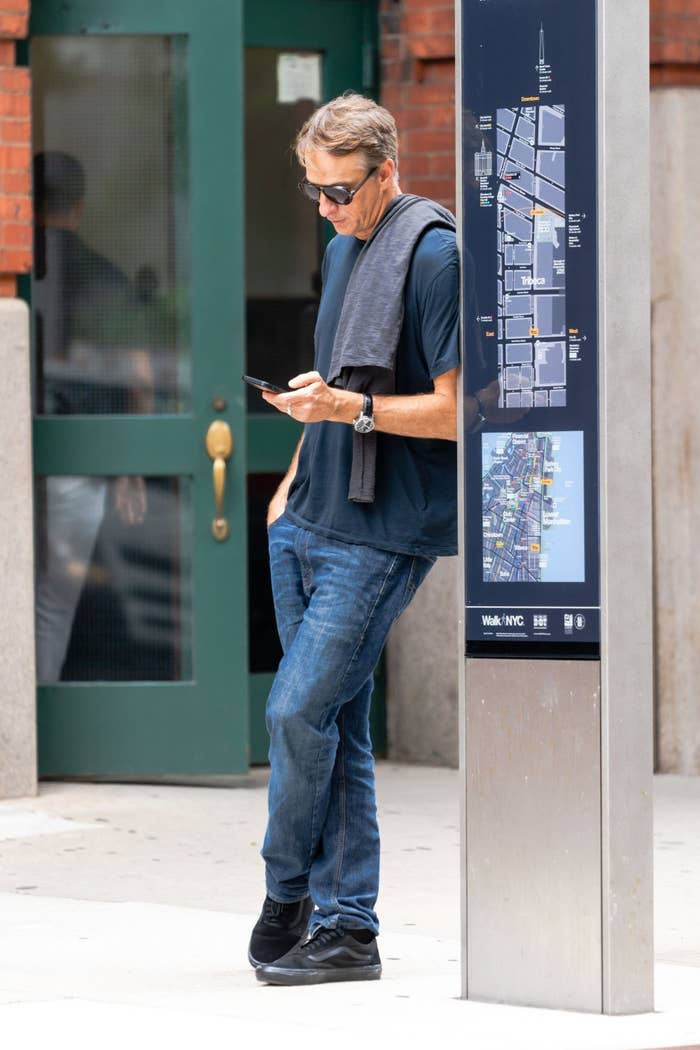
{"x": 364, "y": 424}
{"x": 481, "y": 420}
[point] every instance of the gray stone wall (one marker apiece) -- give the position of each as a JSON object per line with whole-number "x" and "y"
{"x": 422, "y": 669}
{"x": 17, "y": 679}
{"x": 675, "y": 340}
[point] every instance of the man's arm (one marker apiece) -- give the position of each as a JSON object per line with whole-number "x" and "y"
{"x": 279, "y": 500}
{"x": 130, "y": 498}
{"x": 432, "y": 415}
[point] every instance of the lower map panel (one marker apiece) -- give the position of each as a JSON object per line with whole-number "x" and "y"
{"x": 533, "y": 507}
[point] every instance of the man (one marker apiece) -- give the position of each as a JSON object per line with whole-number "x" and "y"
{"x": 368, "y": 503}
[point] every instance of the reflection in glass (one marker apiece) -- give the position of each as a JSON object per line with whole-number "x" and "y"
{"x": 110, "y": 286}
{"x": 283, "y": 243}
{"x": 113, "y": 591}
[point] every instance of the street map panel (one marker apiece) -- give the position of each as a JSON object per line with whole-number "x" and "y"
{"x": 531, "y": 261}
{"x": 532, "y": 507}
{"x": 530, "y": 218}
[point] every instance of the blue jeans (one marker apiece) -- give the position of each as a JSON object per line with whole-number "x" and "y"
{"x": 334, "y": 603}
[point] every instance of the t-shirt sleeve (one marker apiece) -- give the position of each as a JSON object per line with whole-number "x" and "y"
{"x": 440, "y": 320}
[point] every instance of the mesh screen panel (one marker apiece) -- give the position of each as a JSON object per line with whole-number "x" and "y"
{"x": 110, "y": 289}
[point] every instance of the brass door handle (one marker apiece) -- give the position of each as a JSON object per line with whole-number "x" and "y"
{"x": 219, "y": 447}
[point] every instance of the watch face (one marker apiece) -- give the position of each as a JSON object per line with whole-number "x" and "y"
{"x": 364, "y": 424}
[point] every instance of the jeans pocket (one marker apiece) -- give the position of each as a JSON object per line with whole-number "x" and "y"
{"x": 420, "y": 567}
{"x": 278, "y": 521}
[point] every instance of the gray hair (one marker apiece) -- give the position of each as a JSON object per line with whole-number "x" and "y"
{"x": 347, "y": 124}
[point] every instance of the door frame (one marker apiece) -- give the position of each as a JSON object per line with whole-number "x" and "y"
{"x": 327, "y": 26}
{"x": 199, "y": 726}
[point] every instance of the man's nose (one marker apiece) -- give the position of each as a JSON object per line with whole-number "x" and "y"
{"x": 326, "y": 207}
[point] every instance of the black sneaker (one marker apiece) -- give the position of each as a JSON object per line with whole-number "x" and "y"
{"x": 330, "y": 955}
{"x": 278, "y": 929}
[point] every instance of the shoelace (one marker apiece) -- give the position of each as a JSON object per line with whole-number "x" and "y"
{"x": 321, "y": 937}
{"x": 274, "y": 912}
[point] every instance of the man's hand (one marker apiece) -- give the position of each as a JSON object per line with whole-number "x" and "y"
{"x": 278, "y": 502}
{"x": 429, "y": 415}
{"x": 311, "y": 400}
{"x": 276, "y": 507}
{"x": 130, "y": 499}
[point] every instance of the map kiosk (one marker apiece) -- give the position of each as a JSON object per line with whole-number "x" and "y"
{"x": 556, "y": 505}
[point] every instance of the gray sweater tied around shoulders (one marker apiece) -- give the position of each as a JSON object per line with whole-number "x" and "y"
{"x": 371, "y": 317}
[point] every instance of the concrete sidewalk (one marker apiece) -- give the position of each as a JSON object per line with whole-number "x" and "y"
{"x": 125, "y": 912}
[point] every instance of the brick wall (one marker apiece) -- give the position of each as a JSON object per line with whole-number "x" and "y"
{"x": 417, "y": 46}
{"x": 15, "y": 150}
{"x": 675, "y": 42}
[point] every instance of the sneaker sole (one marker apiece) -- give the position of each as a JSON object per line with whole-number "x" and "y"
{"x": 279, "y": 975}
{"x": 256, "y": 963}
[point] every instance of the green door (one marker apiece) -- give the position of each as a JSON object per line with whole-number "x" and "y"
{"x": 173, "y": 253}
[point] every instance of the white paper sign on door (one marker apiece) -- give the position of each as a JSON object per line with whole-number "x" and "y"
{"x": 298, "y": 76}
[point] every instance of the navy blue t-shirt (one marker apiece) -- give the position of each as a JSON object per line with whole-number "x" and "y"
{"x": 415, "y": 505}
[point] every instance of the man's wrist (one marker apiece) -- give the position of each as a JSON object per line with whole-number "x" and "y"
{"x": 363, "y": 422}
{"x": 348, "y": 406}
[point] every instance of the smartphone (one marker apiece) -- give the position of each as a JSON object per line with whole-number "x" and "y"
{"x": 262, "y": 384}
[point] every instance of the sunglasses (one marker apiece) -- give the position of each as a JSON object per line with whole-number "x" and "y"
{"x": 337, "y": 194}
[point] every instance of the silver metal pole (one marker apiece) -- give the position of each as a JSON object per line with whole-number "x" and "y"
{"x": 556, "y": 770}
{"x": 625, "y": 516}
{"x": 461, "y": 591}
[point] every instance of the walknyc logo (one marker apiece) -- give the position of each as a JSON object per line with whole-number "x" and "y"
{"x": 507, "y": 620}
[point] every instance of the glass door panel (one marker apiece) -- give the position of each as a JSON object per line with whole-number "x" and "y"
{"x": 111, "y": 182}
{"x": 114, "y": 579}
{"x": 110, "y": 297}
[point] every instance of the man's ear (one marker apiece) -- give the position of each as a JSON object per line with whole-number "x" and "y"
{"x": 386, "y": 171}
